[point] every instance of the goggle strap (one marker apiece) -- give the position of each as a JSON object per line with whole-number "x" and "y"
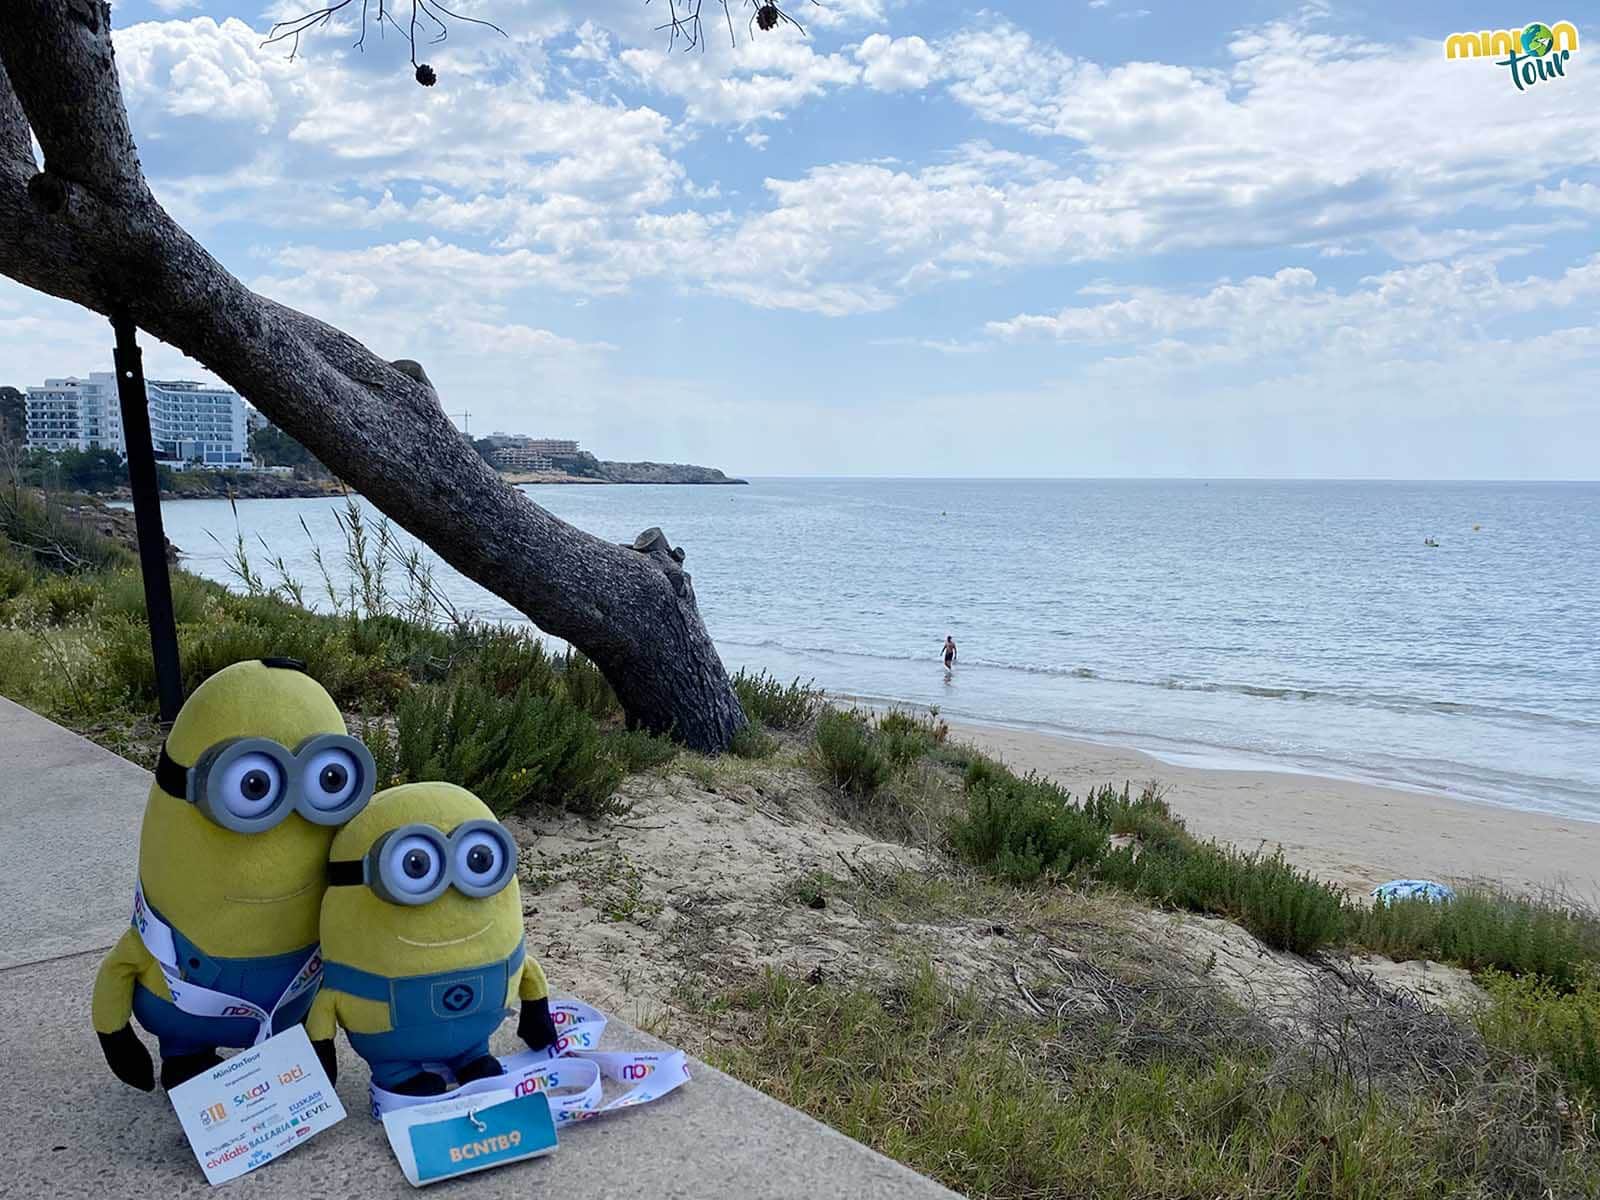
{"x": 172, "y": 777}
{"x": 346, "y": 873}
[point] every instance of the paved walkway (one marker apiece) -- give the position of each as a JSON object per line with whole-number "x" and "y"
{"x": 69, "y": 828}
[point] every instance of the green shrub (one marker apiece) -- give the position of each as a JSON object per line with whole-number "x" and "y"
{"x": 530, "y": 749}
{"x": 20, "y": 667}
{"x": 509, "y": 660}
{"x": 982, "y": 769}
{"x": 122, "y": 595}
{"x": 1533, "y": 1017}
{"x": 1005, "y": 1108}
{"x": 777, "y": 705}
{"x": 1483, "y": 930}
{"x": 753, "y": 742}
{"x": 849, "y": 754}
{"x": 16, "y": 575}
{"x": 1021, "y": 829}
{"x": 62, "y": 599}
{"x": 638, "y": 750}
{"x": 904, "y": 737}
{"x": 41, "y": 530}
{"x": 1282, "y": 905}
{"x": 587, "y": 688}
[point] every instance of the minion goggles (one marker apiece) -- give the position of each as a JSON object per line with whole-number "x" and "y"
{"x": 252, "y": 784}
{"x": 415, "y": 864}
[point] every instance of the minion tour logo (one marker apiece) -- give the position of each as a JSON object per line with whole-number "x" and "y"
{"x": 1534, "y": 53}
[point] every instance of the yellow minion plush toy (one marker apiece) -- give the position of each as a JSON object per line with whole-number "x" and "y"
{"x": 252, "y": 782}
{"x": 423, "y": 942}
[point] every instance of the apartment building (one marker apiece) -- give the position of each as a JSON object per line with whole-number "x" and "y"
{"x": 189, "y": 422}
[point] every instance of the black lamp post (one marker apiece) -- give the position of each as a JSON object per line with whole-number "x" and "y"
{"x": 147, "y": 515}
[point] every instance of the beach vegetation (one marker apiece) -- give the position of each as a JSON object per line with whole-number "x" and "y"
{"x": 785, "y": 706}
{"x": 1534, "y": 1017}
{"x": 996, "y": 1104}
{"x": 851, "y": 754}
{"x": 1022, "y": 830}
{"x": 1485, "y": 930}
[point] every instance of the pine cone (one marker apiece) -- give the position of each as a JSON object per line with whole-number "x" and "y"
{"x": 767, "y": 17}
{"x": 426, "y": 76}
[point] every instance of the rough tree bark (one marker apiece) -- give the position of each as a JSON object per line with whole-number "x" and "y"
{"x": 86, "y": 228}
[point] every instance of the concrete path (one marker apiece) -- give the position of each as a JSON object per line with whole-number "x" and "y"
{"x": 69, "y": 827}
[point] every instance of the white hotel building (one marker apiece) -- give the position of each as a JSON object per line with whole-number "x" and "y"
{"x": 189, "y": 422}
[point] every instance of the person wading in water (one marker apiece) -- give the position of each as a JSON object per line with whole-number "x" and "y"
{"x": 949, "y": 652}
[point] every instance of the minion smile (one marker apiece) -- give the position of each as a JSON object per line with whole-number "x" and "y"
{"x": 270, "y": 899}
{"x": 448, "y": 942}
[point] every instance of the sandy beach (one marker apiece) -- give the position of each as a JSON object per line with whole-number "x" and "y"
{"x": 1355, "y": 834}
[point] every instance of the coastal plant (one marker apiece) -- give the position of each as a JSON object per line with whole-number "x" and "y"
{"x": 1486, "y": 930}
{"x": 508, "y": 659}
{"x": 777, "y": 705}
{"x": 639, "y": 750}
{"x": 993, "y": 1104}
{"x": 1532, "y": 1016}
{"x": 36, "y": 526}
{"x": 122, "y": 595}
{"x": 907, "y": 737}
{"x": 1283, "y": 906}
{"x": 1022, "y": 829}
{"x": 849, "y": 754}
{"x": 586, "y": 687}
{"x": 528, "y": 749}
{"x": 753, "y": 742}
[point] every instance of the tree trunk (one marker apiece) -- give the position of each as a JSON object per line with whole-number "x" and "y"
{"x": 87, "y": 229}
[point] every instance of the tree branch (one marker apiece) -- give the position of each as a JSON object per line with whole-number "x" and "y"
{"x": 96, "y": 236}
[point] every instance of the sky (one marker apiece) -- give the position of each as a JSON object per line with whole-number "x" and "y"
{"x": 1063, "y": 238}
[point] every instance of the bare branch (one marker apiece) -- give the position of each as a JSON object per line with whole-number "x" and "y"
{"x": 426, "y": 10}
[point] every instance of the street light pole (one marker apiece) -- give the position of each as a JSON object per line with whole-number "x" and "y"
{"x": 147, "y": 515}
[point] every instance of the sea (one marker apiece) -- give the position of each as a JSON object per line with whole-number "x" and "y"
{"x": 1297, "y": 626}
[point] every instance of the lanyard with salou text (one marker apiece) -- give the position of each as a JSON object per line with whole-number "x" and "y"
{"x": 200, "y": 1001}
{"x": 569, "y": 1072}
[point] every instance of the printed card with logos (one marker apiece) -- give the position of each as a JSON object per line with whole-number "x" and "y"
{"x": 469, "y": 1133}
{"x": 256, "y": 1106}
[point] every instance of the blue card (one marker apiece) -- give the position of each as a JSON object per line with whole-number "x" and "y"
{"x": 479, "y": 1137}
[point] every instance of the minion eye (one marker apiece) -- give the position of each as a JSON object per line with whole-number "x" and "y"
{"x": 252, "y": 785}
{"x": 479, "y": 858}
{"x": 330, "y": 779}
{"x": 414, "y": 865}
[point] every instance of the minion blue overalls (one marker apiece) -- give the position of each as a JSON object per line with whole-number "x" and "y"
{"x": 446, "y": 1018}
{"x": 258, "y": 980}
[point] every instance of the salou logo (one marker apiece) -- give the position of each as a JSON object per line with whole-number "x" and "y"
{"x": 255, "y": 1093}
{"x": 637, "y": 1070}
{"x": 1534, "y": 53}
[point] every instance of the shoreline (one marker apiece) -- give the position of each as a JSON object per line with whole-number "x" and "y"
{"x": 1349, "y": 832}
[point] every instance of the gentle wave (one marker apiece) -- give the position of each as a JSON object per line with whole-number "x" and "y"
{"x": 1383, "y": 701}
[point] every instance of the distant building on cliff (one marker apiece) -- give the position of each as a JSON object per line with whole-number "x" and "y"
{"x": 189, "y": 422}
{"x": 517, "y": 452}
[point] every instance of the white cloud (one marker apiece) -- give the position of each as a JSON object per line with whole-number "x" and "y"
{"x": 896, "y": 64}
{"x": 594, "y": 44}
{"x": 1582, "y": 196}
{"x": 763, "y": 79}
{"x": 1427, "y": 313}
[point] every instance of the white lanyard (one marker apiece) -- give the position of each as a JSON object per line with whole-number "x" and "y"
{"x": 200, "y": 1001}
{"x": 569, "y": 1072}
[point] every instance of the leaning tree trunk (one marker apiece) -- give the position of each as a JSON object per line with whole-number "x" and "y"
{"x": 87, "y": 229}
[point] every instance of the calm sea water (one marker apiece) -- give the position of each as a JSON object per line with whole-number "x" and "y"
{"x": 1297, "y": 625}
